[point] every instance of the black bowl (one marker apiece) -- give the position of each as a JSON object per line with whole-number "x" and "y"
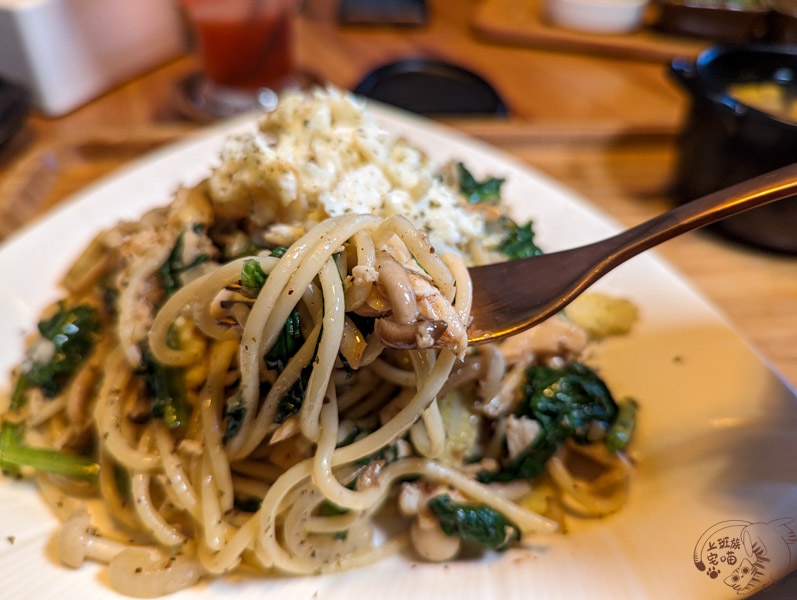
{"x": 725, "y": 141}
{"x": 430, "y": 86}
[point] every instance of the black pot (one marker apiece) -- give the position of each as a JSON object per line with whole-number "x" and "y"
{"x": 724, "y": 141}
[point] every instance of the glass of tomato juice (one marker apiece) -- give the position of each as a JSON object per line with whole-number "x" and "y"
{"x": 245, "y": 46}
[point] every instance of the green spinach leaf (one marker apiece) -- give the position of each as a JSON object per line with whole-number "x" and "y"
{"x": 73, "y": 333}
{"x": 170, "y": 271}
{"x": 252, "y": 274}
{"x": 568, "y": 402}
{"x": 476, "y": 192}
{"x": 518, "y": 241}
{"x": 167, "y": 386}
{"x": 474, "y": 523}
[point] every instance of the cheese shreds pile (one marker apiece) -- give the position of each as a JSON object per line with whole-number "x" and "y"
{"x": 321, "y": 155}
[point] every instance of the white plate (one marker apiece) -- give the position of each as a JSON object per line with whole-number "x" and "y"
{"x": 717, "y": 435}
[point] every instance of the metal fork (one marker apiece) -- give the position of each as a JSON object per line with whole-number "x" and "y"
{"x": 512, "y": 296}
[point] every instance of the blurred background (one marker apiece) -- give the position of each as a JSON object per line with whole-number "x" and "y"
{"x": 635, "y": 104}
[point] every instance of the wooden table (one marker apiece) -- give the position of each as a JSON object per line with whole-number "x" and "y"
{"x": 606, "y": 127}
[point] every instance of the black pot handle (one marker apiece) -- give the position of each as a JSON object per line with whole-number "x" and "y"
{"x": 684, "y": 71}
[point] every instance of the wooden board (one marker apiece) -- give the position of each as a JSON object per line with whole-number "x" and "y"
{"x": 521, "y": 22}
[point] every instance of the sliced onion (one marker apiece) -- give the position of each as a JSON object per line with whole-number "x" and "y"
{"x": 352, "y": 345}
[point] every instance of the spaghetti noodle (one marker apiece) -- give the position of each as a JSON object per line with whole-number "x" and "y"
{"x": 253, "y": 373}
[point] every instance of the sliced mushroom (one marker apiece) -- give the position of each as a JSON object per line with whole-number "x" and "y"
{"x": 421, "y": 333}
{"x": 149, "y": 573}
{"x": 78, "y": 541}
{"x": 428, "y": 539}
{"x": 228, "y": 304}
{"x": 394, "y": 283}
{"x": 227, "y": 323}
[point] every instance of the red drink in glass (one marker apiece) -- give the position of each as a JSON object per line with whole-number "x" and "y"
{"x": 244, "y": 44}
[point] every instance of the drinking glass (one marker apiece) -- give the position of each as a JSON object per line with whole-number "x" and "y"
{"x": 246, "y": 51}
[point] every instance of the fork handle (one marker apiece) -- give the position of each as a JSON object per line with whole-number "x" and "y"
{"x": 772, "y": 186}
